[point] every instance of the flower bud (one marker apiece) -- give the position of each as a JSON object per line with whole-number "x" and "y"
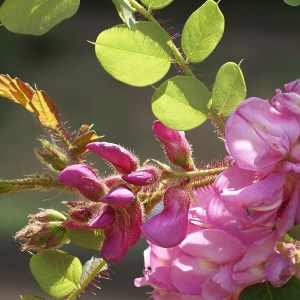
{"x": 81, "y": 215}
{"x": 118, "y": 197}
{"x": 84, "y": 179}
{"x": 143, "y": 177}
{"x": 122, "y": 160}
{"x": 105, "y": 216}
{"x": 177, "y": 148}
{"x": 52, "y": 156}
{"x": 48, "y": 215}
{"x": 80, "y": 212}
{"x": 45, "y": 230}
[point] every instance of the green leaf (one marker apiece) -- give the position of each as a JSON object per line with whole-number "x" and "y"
{"x": 181, "y": 103}
{"x": 126, "y": 13}
{"x": 88, "y": 239}
{"x": 56, "y": 271}
{"x": 202, "y": 32}
{"x": 265, "y": 291}
{"x": 139, "y": 58}
{"x": 35, "y": 17}
{"x": 294, "y": 232}
{"x": 156, "y": 4}
{"x": 292, "y": 2}
{"x": 30, "y": 297}
{"x": 229, "y": 88}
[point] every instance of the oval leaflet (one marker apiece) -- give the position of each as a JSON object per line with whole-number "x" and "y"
{"x": 138, "y": 57}
{"x": 181, "y": 103}
{"x": 56, "y": 271}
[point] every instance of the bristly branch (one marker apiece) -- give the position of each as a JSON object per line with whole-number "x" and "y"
{"x": 16, "y": 185}
{"x": 100, "y": 266}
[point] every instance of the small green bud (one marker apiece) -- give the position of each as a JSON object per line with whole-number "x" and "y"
{"x": 45, "y": 230}
{"x": 48, "y": 215}
{"x": 52, "y": 156}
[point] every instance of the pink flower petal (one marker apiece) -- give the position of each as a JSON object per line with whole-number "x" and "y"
{"x": 279, "y": 270}
{"x": 119, "y": 197}
{"x": 168, "y": 228}
{"x": 213, "y": 245}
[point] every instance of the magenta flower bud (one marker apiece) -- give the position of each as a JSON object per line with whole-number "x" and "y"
{"x": 105, "y": 216}
{"x": 142, "y": 177}
{"x": 119, "y": 197}
{"x": 84, "y": 179}
{"x": 81, "y": 215}
{"x": 75, "y": 225}
{"x": 177, "y": 148}
{"x": 122, "y": 160}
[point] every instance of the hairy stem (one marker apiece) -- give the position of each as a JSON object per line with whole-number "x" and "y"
{"x": 195, "y": 174}
{"x": 203, "y": 182}
{"x": 87, "y": 280}
{"x": 17, "y": 185}
{"x": 218, "y": 121}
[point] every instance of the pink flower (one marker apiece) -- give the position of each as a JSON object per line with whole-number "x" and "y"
{"x": 177, "y": 148}
{"x": 123, "y": 233}
{"x": 259, "y": 137}
{"x": 104, "y": 217}
{"x": 142, "y": 177}
{"x": 289, "y": 102}
{"x": 119, "y": 196}
{"x": 168, "y": 228}
{"x": 201, "y": 267}
{"x": 121, "y": 159}
{"x": 84, "y": 179}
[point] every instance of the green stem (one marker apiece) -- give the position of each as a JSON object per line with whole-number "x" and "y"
{"x": 86, "y": 281}
{"x": 217, "y": 119}
{"x": 17, "y": 185}
{"x": 152, "y": 202}
{"x": 203, "y": 182}
{"x": 194, "y": 174}
{"x": 178, "y": 56}
{"x": 67, "y": 144}
{"x": 62, "y": 137}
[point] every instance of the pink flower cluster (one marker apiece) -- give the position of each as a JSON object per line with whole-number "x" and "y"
{"x": 114, "y": 206}
{"x": 235, "y": 233}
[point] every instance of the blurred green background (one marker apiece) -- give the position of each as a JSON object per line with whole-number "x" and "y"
{"x": 264, "y": 33}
